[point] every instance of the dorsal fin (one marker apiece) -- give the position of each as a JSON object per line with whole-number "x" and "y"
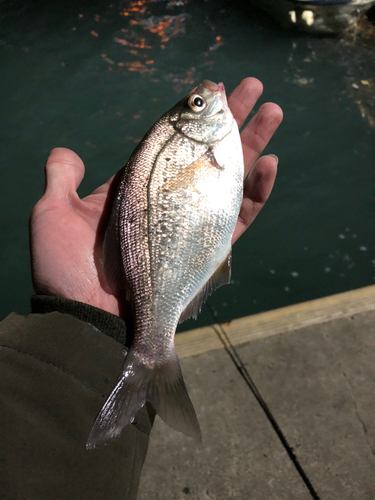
{"x": 220, "y": 277}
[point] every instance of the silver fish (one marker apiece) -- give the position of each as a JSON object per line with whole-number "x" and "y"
{"x": 171, "y": 229}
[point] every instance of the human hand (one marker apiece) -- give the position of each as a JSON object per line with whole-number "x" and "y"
{"x": 66, "y": 232}
{"x": 254, "y": 137}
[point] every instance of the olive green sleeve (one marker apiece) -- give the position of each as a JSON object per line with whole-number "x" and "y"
{"x": 55, "y": 374}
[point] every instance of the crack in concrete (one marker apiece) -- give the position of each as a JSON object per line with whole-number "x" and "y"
{"x": 240, "y": 366}
{"x": 356, "y": 410}
{"x": 339, "y": 362}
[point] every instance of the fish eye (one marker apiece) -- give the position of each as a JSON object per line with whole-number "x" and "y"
{"x": 196, "y": 103}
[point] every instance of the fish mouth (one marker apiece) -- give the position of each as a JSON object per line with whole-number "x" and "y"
{"x": 215, "y": 87}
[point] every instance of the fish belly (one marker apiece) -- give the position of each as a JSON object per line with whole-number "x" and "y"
{"x": 192, "y": 217}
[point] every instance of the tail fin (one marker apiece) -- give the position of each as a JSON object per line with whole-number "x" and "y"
{"x": 163, "y": 386}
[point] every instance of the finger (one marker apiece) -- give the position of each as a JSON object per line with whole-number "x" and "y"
{"x": 64, "y": 172}
{"x": 257, "y": 190}
{"x": 259, "y": 131}
{"x": 243, "y": 98}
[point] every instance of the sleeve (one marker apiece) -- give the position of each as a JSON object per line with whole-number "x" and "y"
{"x": 56, "y": 372}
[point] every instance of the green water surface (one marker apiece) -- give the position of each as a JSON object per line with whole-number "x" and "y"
{"x": 94, "y": 76}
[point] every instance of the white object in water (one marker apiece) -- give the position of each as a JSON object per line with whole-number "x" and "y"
{"x": 308, "y": 17}
{"x": 293, "y": 17}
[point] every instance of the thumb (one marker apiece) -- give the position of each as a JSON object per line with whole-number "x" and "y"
{"x": 64, "y": 172}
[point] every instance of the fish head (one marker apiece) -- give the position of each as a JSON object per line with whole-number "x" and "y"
{"x": 203, "y": 115}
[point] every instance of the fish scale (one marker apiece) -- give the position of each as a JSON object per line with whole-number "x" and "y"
{"x": 173, "y": 220}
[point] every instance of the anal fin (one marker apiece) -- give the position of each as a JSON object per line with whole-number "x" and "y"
{"x": 220, "y": 277}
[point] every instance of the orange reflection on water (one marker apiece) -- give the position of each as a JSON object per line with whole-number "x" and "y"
{"x": 140, "y": 45}
{"x": 166, "y": 27}
{"x": 189, "y": 78}
{"x": 139, "y": 67}
{"x": 140, "y": 29}
{"x": 137, "y": 6}
{"x": 218, "y": 42}
{"x": 181, "y": 80}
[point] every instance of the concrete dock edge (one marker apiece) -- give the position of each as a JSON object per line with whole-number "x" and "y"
{"x": 285, "y": 319}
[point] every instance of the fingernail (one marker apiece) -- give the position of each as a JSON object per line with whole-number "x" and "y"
{"x": 276, "y": 158}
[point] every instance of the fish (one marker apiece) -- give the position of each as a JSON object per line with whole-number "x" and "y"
{"x": 168, "y": 244}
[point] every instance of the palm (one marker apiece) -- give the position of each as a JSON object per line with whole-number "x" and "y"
{"x": 67, "y": 232}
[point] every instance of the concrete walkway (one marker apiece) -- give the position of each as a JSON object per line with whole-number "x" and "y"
{"x": 319, "y": 383}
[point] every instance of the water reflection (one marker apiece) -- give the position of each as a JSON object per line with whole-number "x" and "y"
{"x": 140, "y": 44}
{"x": 99, "y": 75}
{"x": 363, "y": 94}
{"x": 166, "y": 27}
{"x": 145, "y": 32}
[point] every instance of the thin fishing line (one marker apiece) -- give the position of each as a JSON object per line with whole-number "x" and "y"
{"x": 235, "y": 357}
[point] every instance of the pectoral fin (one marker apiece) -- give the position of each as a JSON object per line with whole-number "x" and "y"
{"x": 204, "y": 167}
{"x": 220, "y": 277}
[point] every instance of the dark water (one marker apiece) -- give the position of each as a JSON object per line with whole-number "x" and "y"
{"x": 94, "y": 76}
